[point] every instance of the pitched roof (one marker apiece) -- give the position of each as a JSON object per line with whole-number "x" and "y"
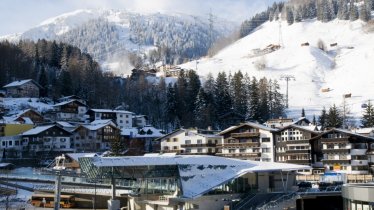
{"x": 344, "y": 131}
{"x": 256, "y": 125}
{"x": 21, "y": 82}
{"x": 304, "y": 128}
{"x": 39, "y": 129}
{"x": 111, "y": 111}
{"x": 69, "y": 101}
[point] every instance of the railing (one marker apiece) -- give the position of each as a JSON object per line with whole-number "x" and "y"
{"x": 198, "y": 145}
{"x": 276, "y": 203}
{"x": 331, "y": 161}
{"x": 253, "y": 154}
{"x": 298, "y": 151}
{"x": 300, "y": 161}
{"x": 245, "y": 134}
{"x": 246, "y": 144}
{"x": 331, "y": 140}
{"x": 339, "y": 150}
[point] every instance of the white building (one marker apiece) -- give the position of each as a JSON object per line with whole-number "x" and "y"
{"x": 190, "y": 141}
{"x": 122, "y": 118}
{"x": 249, "y": 141}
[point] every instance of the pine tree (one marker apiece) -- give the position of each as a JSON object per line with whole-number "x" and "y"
{"x": 182, "y": 97}
{"x": 171, "y": 105}
{"x": 43, "y": 81}
{"x": 314, "y": 120}
{"x": 334, "y": 119}
{"x": 238, "y": 93}
{"x": 289, "y": 15}
{"x": 193, "y": 87}
{"x": 298, "y": 14}
{"x": 353, "y": 13}
{"x": 254, "y": 101}
{"x": 368, "y": 116}
{"x": 363, "y": 15}
{"x": 116, "y": 146}
{"x": 264, "y": 102}
{"x": 343, "y": 11}
{"x": 222, "y": 95}
{"x": 66, "y": 83}
{"x": 302, "y": 112}
{"x": 323, "y": 119}
{"x": 276, "y": 100}
{"x": 201, "y": 111}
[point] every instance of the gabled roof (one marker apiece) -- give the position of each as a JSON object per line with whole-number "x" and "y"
{"x": 255, "y": 125}
{"x": 21, "y": 82}
{"x": 312, "y": 129}
{"x": 68, "y": 102}
{"x": 111, "y": 111}
{"x": 170, "y": 134}
{"x": 198, "y": 174}
{"x": 344, "y": 131}
{"x": 39, "y": 129}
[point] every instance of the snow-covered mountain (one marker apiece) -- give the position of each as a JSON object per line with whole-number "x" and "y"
{"x": 109, "y": 35}
{"x": 322, "y": 77}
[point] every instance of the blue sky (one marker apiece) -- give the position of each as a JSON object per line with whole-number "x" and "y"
{"x": 17, "y": 16}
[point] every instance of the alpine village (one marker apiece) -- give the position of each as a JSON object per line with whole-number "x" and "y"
{"x": 122, "y": 110}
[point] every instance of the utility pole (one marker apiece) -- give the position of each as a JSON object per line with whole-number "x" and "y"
{"x": 287, "y": 78}
{"x": 59, "y": 167}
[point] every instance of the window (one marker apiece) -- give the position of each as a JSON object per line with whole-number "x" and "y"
{"x": 166, "y": 148}
{"x": 10, "y": 143}
{"x": 127, "y": 122}
{"x": 63, "y": 140}
{"x": 188, "y": 150}
{"x": 199, "y": 150}
{"x": 120, "y": 115}
{"x": 17, "y": 143}
{"x": 265, "y": 139}
{"x": 188, "y": 141}
{"x": 242, "y": 150}
{"x": 3, "y": 143}
{"x": 175, "y": 147}
{"x": 120, "y": 121}
{"x": 231, "y": 150}
{"x": 175, "y": 139}
{"x": 265, "y": 150}
{"x": 62, "y": 147}
{"x": 199, "y": 141}
{"x": 127, "y": 116}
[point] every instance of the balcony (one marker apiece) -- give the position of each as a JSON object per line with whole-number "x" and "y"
{"x": 240, "y": 155}
{"x": 239, "y": 145}
{"x": 331, "y": 161}
{"x": 245, "y": 135}
{"x": 298, "y": 141}
{"x": 334, "y": 140}
{"x": 339, "y": 150}
{"x": 300, "y": 161}
{"x": 298, "y": 151}
{"x": 358, "y": 151}
{"x": 172, "y": 151}
{"x": 197, "y": 145}
{"x": 359, "y": 162}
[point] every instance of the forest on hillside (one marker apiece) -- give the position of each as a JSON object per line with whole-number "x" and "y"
{"x": 322, "y": 10}
{"x": 64, "y": 70}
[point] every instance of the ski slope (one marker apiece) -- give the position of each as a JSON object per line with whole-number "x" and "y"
{"x": 346, "y": 68}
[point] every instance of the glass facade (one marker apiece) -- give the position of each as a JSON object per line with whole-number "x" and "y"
{"x": 349, "y": 204}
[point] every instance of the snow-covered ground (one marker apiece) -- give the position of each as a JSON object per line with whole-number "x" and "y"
{"x": 343, "y": 69}
{"x": 16, "y": 104}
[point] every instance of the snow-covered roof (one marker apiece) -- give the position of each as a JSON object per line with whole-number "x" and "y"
{"x": 67, "y": 102}
{"x": 111, "y": 111}
{"x": 65, "y": 124}
{"x": 255, "y": 125}
{"x": 97, "y": 122}
{"x": 198, "y": 174}
{"x": 76, "y": 156}
{"x": 37, "y": 130}
{"x": 310, "y": 128}
{"x": 20, "y": 82}
{"x": 134, "y": 132}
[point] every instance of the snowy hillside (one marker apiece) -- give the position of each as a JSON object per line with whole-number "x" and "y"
{"x": 342, "y": 69}
{"x": 109, "y": 35}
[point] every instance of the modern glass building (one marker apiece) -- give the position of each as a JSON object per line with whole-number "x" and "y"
{"x": 171, "y": 180}
{"x": 358, "y": 196}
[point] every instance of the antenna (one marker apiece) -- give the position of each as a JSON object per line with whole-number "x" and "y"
{"x": 287, "y": 77}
